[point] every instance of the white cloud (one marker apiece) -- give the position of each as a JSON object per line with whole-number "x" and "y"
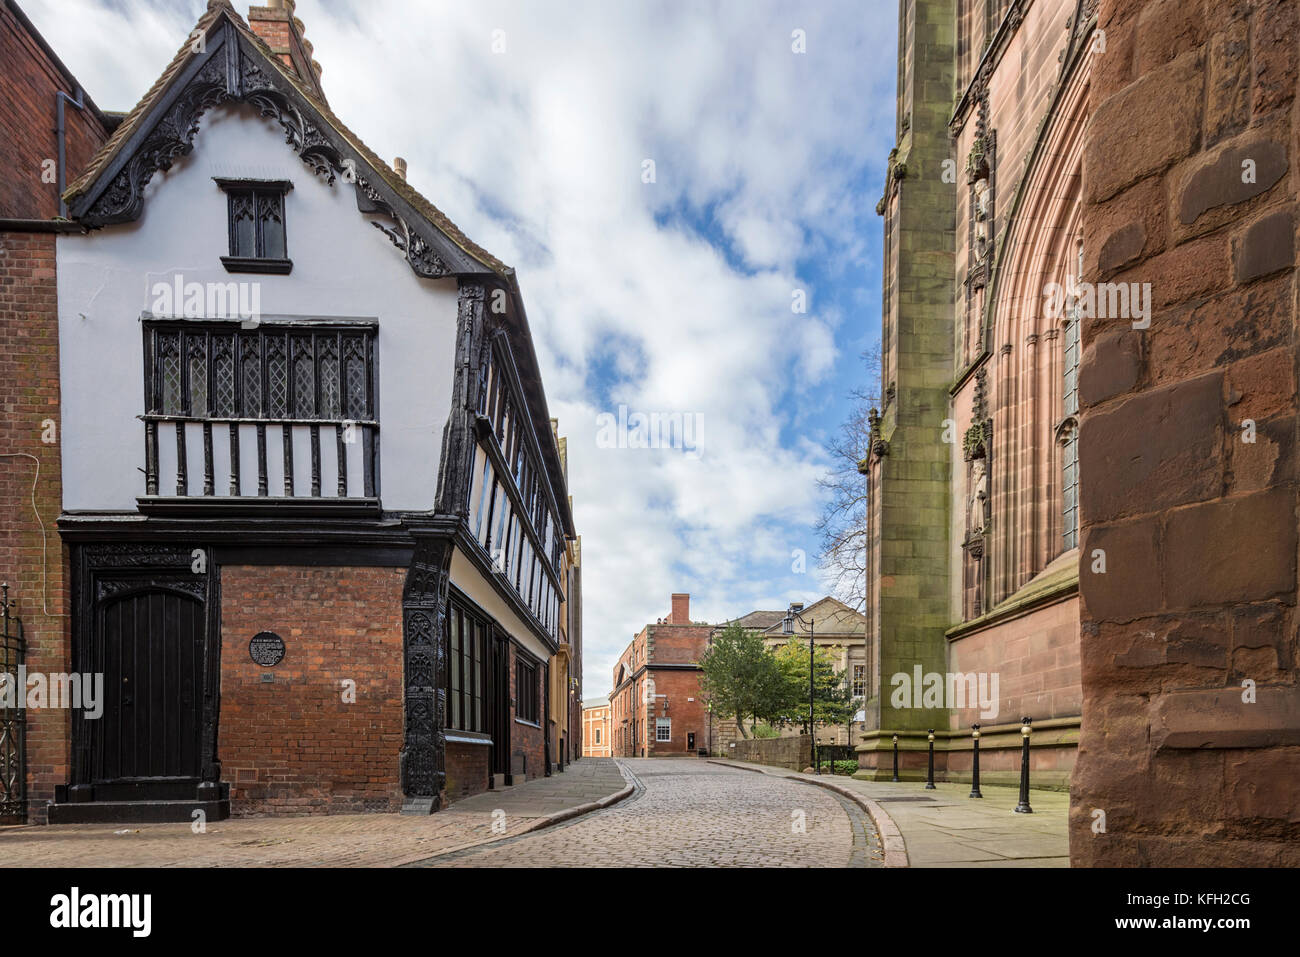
{"x": 537, "y": 153}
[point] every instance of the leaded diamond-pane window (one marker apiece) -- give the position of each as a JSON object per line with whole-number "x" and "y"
{"x": 257, "y": 237}
{"x": 223, "y": 377}
{"x": 277, "y": 369}
{"x": 280, "y": 376}
{"x": 229, "y": 405}
{"x": 169, "y": 388}
{"x": 251, "y": 378}
{"x": 198, "y": 372}
{"x": 355, "y": 369}
{"x": 304, "y": 380}
{"x": 331, "y": 404}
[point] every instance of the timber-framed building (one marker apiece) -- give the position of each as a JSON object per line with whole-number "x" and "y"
{"x": 320, "y": 539}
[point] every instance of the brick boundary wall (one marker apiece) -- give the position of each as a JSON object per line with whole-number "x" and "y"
{"x": 794, "y": 753}
{"x": 1197, "y": 523}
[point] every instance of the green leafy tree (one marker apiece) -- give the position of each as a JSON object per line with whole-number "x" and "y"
{"x": 832, "y": 696}
{"x": 740, "y": 679}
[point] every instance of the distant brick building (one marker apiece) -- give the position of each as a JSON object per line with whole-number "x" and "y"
{"x": 595, "y": 728}
{"x": 655, "y": 707}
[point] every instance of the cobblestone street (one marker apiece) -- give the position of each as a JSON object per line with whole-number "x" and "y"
{"x": 683, "y": 812}
{"x": 690, "y": 813}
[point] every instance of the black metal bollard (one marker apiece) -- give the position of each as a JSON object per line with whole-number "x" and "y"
{"x": 929, "y": 777}
{"x": 975, "y": 763}
{"x": 1023, "y": 807}
{"x": 895, "y": 777}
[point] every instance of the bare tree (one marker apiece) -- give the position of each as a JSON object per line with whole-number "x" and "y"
{"x": 843, "y": 523}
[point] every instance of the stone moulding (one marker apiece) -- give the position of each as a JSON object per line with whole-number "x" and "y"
{"x": 1030, "y": 598}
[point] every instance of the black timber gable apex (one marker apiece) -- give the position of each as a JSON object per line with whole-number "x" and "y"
{"x": 234, "y": 67}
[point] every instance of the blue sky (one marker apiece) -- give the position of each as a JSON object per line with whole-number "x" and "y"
{"x": 529, "y": 123}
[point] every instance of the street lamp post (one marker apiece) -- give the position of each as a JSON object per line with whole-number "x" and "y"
{"x": 787, "y": 628}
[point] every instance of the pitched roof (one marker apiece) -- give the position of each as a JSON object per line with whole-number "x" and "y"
{"x": 757, "y": 620}
{"x": 821, "y": 610}
{"x": 217, "y": 10}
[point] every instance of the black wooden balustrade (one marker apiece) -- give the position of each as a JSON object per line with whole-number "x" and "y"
{"x": 347, "y": 434}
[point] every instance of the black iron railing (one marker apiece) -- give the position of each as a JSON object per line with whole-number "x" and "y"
{"x": 13, "y": 730}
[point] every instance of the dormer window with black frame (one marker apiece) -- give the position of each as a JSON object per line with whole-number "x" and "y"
{"x": 257, "y": 225}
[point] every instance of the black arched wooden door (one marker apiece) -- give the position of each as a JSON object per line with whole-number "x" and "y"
{"x": 149, "y": 647}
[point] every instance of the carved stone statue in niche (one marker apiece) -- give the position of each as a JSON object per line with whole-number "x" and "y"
{"x": 981, "y": 206}
{"x": 979, "y": 494}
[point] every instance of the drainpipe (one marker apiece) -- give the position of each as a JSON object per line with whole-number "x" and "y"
{"x": 80, "y": 103}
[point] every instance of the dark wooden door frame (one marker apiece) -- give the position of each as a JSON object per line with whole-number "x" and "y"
{"x": 107, "y": 570}
{"x": 146, "y": 678}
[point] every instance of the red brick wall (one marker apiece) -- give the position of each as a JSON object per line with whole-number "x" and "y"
{"x": 1198, "y": 525}
{"x": 294, "y": 745}
{"x": 467, "y": 769}
{"x": 677, "y": 644}
{"x": 526, "y": 738}
{"x": 33, "y": 559}
{"x": 272, "y": 25}
{"x": 686, "y": 715}
{"x": 27, "y": 123}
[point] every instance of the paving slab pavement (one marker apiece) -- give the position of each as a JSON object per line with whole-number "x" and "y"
{"x": 336, "y": 840}
{"x": 946, "y": 828}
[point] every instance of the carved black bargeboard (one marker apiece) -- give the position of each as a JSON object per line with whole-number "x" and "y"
{"x": 237, "y": 71}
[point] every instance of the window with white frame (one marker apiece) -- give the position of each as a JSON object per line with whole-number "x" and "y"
{"x": 663, "y": 729}
{"x": 859, "y": 681}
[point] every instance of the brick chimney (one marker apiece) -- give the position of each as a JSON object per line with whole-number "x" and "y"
{"x": 681, "y": 610}
{"x": 283, "y": 33}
